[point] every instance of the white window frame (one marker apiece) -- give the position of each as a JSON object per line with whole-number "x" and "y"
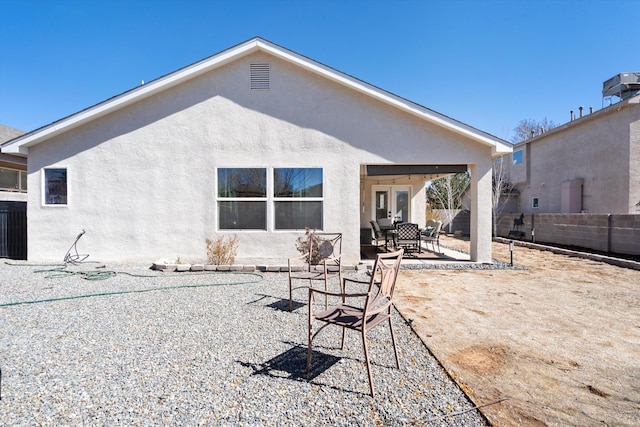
{"x": 270, "y": 200}
{"x": 271, "y": 214}
{"x": 43, "y": 186}
{"x": 264, "y": 199}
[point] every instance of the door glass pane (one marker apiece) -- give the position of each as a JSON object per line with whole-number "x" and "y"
{"x": 298, "y": 215}
{"x": 382, "y": 204}
{"x": 402, "y": 205}
{"x": 235, "y": 215}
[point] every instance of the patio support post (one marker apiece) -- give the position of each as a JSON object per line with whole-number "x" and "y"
{"x": 480, "y": 239}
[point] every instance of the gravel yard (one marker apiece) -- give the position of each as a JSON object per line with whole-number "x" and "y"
{"x": 200, "y": 349}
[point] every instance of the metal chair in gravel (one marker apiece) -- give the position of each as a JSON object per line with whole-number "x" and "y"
{"x": 373, "y": 309}
{"x": 321, "y": 261}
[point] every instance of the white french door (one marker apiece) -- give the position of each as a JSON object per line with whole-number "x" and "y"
{"x": 392, "y": 202}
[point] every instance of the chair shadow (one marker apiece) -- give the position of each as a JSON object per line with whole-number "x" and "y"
{"x": 292, "y": 364}
{"x": 280, "y": 304}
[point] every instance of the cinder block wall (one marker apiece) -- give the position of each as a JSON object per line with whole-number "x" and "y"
{"x": 602, "y": 232}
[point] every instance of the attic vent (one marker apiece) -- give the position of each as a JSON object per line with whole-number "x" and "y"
{"x": 260, "y": 76}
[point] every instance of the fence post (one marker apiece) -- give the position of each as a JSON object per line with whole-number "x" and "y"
{"x": 609, "y": 231}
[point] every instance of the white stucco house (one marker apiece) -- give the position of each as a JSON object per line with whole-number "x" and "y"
{"x": 256, "y": 141}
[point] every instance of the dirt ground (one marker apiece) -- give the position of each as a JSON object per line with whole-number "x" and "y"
{"x": 555, "y": 343}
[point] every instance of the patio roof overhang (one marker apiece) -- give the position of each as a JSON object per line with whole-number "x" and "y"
{"x": 386, "y": 170}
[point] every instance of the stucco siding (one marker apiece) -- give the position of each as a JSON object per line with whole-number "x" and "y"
{"x": 602, "y": 151}
{"x": 142, "y": 182}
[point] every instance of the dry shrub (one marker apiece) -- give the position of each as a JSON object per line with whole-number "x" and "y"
{"x": 222, "y": 251}
{"x": 302, "y": 245}
{"x": 434, "y": 214}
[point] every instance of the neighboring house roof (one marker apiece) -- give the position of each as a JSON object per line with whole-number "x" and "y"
{"x": 8, "y": 133}
{"x": 7, "y": 160}
{"x": 21, "y": 144}
{"x": 626, "y": 103}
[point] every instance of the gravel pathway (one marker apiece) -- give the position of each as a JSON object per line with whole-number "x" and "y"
{"x": 207, "y": 349}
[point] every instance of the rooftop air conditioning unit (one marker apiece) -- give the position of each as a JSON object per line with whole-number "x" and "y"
{"x": 623, "y": 85}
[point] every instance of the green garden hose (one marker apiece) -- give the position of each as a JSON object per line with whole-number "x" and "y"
{"x": 59, "y": 272}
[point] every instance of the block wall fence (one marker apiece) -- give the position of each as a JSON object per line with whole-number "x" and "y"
{"x": 602, "y": 232}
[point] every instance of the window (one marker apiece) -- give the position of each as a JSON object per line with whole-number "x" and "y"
{"x": 55, "y": 186}
{"x": 297, "y": 196}
{"x": 242, "y": 198}
{"x": 517, "y": 157}
{"x": 534, "y": 203}
{"x": 13, "y": 180}
{"x": 292, "y": 198}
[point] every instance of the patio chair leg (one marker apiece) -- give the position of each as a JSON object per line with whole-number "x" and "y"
{"x": 310, "y": 338}
{"x": 393, "y": 341}
{"x": 366, "y": 358}
{"x": 326, "y": 297}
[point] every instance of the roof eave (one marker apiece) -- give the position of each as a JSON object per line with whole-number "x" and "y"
{"x": 499, "y": 146}
{"x": 21, "y": 144}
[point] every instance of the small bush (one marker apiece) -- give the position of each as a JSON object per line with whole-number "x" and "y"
{"x": 434, "y": 214}
{"x": 222, "y": 251}
{"x": 302, "y": 245}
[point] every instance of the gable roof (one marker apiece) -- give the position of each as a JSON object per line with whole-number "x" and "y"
{"x": 8, "y": 133}
{"x": 9, "y": 160}
{"x": 21, "y": 144}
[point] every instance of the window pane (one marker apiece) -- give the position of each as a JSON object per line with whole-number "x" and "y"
{"x": 297, "y": 182}
{"x": 242, "y": 215}
{"x": 8, "y": 179}
{"x": 517, "y": 157}
{"x": 23, "y": 180}
{"x": 298, "y": 215}
{"x": 55, "y": 186}
{"x": 242, "y": 182}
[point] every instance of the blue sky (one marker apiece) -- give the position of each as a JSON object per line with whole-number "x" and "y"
{"x": 488, "y": 64}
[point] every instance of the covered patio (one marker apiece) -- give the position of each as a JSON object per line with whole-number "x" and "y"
{"x": 396, "y": 194}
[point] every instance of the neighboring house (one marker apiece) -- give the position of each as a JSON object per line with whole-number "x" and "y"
{"x": 13, "y": 170}
{"x": 256, "y": 141}
{"x": 590, "y": 164}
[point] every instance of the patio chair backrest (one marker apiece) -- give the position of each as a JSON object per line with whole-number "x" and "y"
{"x": 384, "y": 222}
{"x": 438, "y": 228}
{"x": 431, "y": 225}
{"x": 383, "y": 278}
{"x": 325, "y": 246}
{"x": 377, "y": 233}
{"x": 407, "y": 231}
